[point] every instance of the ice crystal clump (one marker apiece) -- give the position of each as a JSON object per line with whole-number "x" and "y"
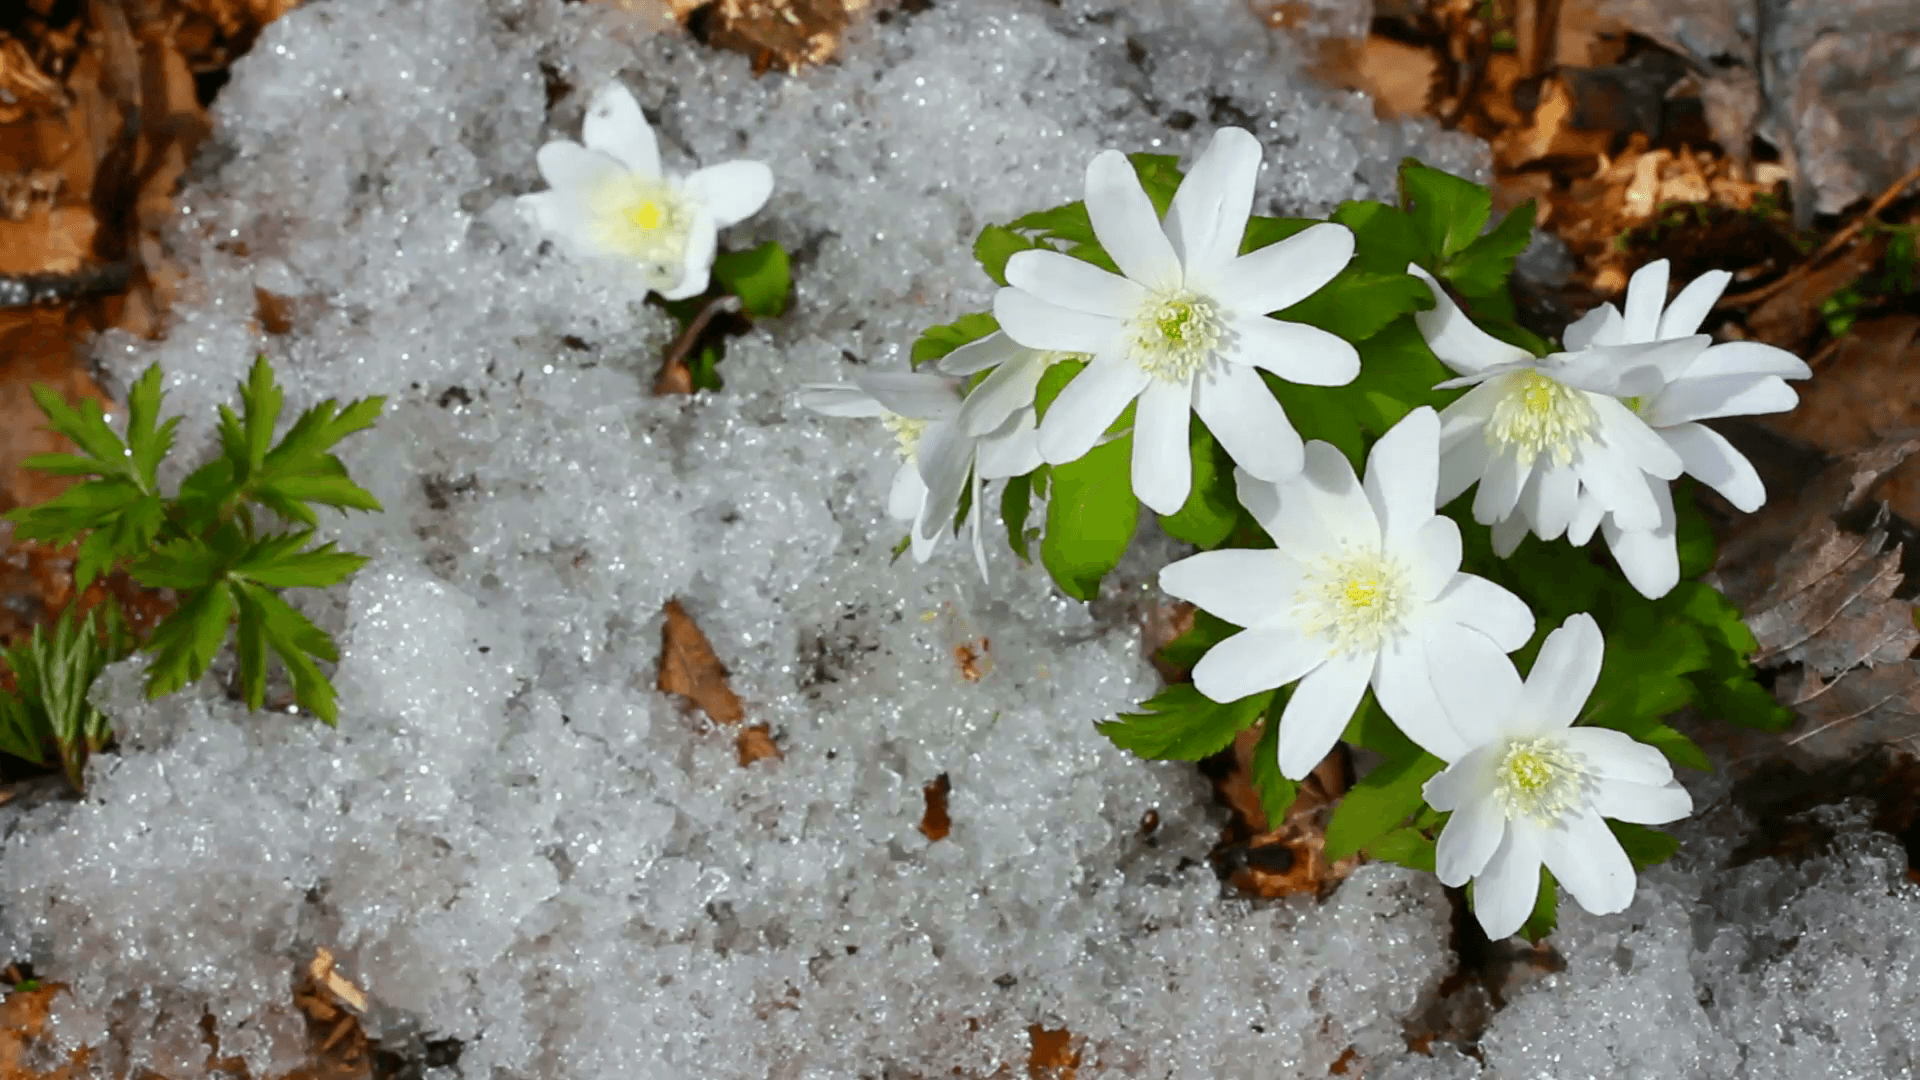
{"x": 513, "y": 840}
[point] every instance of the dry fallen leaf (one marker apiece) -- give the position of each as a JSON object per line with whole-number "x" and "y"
{"x": 688, "y": 667}
{"x": 1051, "y": 1054}
{"x": 935, "y": 824}
{"x": 1270, "y": 861}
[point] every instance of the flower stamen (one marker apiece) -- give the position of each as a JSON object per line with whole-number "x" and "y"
{"x": 1539, "y": 779}
{"x": 642, "y": 220}
{"x": 1537, "y": 415}
{"x": 1356, "y": 601}
{"x": 907, "y": 433}
{"x": 1174, "y": 333}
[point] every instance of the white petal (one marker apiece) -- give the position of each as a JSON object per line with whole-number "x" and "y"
{"x": 1319, "y": 710}
{"x": 1208, "y": 214}
{"x": 1162, "y": 460}
{"x": 1461, "y": 464}
{"x": 1468, "y": 840}
{"x": 1642, "y": 804}
{"x": 1256, "y": 660}
{"x": 1037, "y": 324}
{"x": 1650, "y": 558}
{"x": 1711, "y": 459}
{"x": 1618, "y": 489}
{"x": 562, "y": 216}
{"x": 1586, "y": 518}
{"x": 1012, "y": 449}
{"x": 1244, "y": 416}
{"x": 1689, "y": 309}
{"x": 977, "y": 356}
{"x": 615, "y": 125}
{"x": 1589, "y": 862}
{"x": 1507, "y": 533}
{"x": 1403, "y": 472}
{"x": 1245, "y": 586}
{"x": 1629, "y": 435}
{"x": 1499, "y": 487}
{"x": 1723, "y": 395}
{"x": 1556, "y": 494}
{"x": 907, "y": 494}
{"x": 1074, "y": 284}
{"x": 1322, "y": 511}
{"x": 839, "y": 400}
{"x": 1455, "y": 339}
{"x": 1008, "y": 389}
{"x": 1431, "y": 555}
{"x": 572, "y": 168}
{"x": 979, "y": 532}
{"x": 1562, "y": 676}
{"x": 1646, "y": 295}
{"x": 1404, "y": 687}
{"x": 1281, "y": 275}
{"x": 1087, "y": 406}
{"x": 696, "y": 263}
{"x": 1748, "y": 358}
{"x": 732, "y": 191}
{"x": 1124, "y": 221}
{"x": 1505, "y": 891}
{"x": 1616, "y": 756}
{"x": 917, "y": 394}
{"x": 1626, "y": 370}
{"x": 945, "y": 459}
{"x": 1476, "y": 683}
{"x": 1467, "y": 779}
{"x": 1472, "y": 601}
{"x": 1599, "y": 326}
{"x": 1294, "y": 351}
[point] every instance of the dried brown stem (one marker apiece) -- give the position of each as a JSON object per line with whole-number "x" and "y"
{"x": 675, "y": 377}
{"x": 1839, "y": 240}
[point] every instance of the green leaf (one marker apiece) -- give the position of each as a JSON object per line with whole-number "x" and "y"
{"x": 1381, "y": 800}
{"x": 1276, "y": 791}
{"x": 1546, "y": 909}
{"x": 1183, "y": 652}
{"x": 1182, "y": 724}
{"x": 937, "y": 341}
{"x": 1052, "y": 381}
{"x": 1091, "y": 515}
{"x": 995, "y": 246}
{"x": 1679, "y": 749}
{"x": 1358, "y": 304}
{"x": 20, "y": 733}
{"x": 1016, "y": 501}
{"x": 278, "y": 562}
{"x": 1068, "y": 224}
{"x": 185, "y": 642}
{"x": 1370, "y": 728}
{"x": 147, "y": 439}
{"x": 1267, "y": 231}
{"x": 1644, "y": 845}
{"x": 87, "y": 427}
{"x": 1482, "y": 269}
{"x": 262, "y": 399}
{"x": 1160, "y": 176}
{"x": 762, "y": 278}
{"x": 1409, "y": 847}
{"x": 1212, "y": 508}
{"x": 1385, "y": 239}
{"x": 1740, "y": 700}
{"x": 703, "y": 369}
{"x": 1447, "y": 210}
{"x": 186, "y": 563}
{"x": 1693, "y": 535}
{"x": 297, "y": 643}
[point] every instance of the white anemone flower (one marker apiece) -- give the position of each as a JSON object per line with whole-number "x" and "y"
{"x": 1183, "y": 327}
{"x": 999, "y": 410}
{"x": 1363, "y": 586}
{"x": 610, "y": 199}
{"x": 1533, "y": 789}
{"x": 1736, "y": 378}
{"x": 1537, "y": 432}
{"x": 927, "y": 417}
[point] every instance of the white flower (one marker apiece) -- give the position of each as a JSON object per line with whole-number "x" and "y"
{"x": 1185, "y": 329}
{"x": 1737, "y": 378}
{"x": 609, "y": 199}
{"x": 1362, "y": 586}
{"x": 999, "y": 410}
{"x": 1531, "y": 788}
{"x": 1537, "y": 432}
{"x": 928, "y": 420}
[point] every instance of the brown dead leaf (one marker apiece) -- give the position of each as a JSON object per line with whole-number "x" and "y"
{"x": 1865, "y": 389}
{"x": 1790, "y": 317}
{"x": 1832, "y": 608}
{"x": 787, "y": 34}
{"x": 23, "y": 1024}
{"x": 1267, "y": 861}
{"x": 935, "y": 824}
{"x": 1051, "y": 1054}
{"x": 689, "y": 667}
{"x": 755, "y": 743}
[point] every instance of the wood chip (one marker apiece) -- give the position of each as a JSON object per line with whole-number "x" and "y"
{"x": 320, "y": 969}
{"x": 935, "y": 824}
{"x": 689, "y": 667}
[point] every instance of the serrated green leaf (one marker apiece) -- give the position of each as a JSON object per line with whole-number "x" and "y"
{"x": 1182, "y": 724}
{"x": 1381, "y": 800}
{"x": 1385, "y": 238}
{"x": 297, "y": 643}
{"x": 86, "y": 426}
{"x": 92, "y": 504}
{"x": 1408, "y": 847}
{"x": 1483, "y": 267}
{"x": 250, "y": 648}
{"x": 1357, "y": 304}
{"x": 936, "y": 342}
{"x": 1267, "y": 231}
{"x": 1447, "y": 210}
{"x": 1091, "y": 515}
{"x": 1212, "y": 508}
{"x": 1740, "y": 700}
{"x": 1068, "y": 224}
{"x": 1276, "y": 791}
{"x": 703, "y": 369}
{"x": 262, "y": 400}
{"x": 185, "y": 642}
{"x": 1016, "y": 502}
{"x": 1645, "y": 846}
{"x": 762, "y": 278}
{"x": 995, "y": 245}
{"x": 1052, "y": 381}
{"x": 1160, "y": 176}
{"x": 186, "y": 563}
{"x": 148, "y": 440}
{"x": 279, "y": 562}
{"x": 20, "y": 735}
{"x": 1183, "y": 652}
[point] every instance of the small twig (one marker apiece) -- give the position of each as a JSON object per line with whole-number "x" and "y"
{"x": 674, "y": 377}
{"x": 1839, "y": 240}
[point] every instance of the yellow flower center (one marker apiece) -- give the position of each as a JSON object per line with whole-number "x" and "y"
{"x": 645, "y": 221}
{"x": 1174, "y": 333}
{"x": 646, "y": 215}
{"x": 907, "y": 433}
{"x": 1355, "y": 600}
{"x": 1538, "y": 778}
{"x": 1537, "y": 415}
